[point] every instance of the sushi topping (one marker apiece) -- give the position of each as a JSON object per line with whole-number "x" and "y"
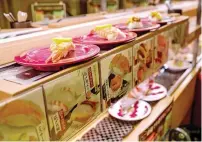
{"x": 156, "y": 16}
{"x": 134, "y": 22}
{"x": 60, "y": 48}
{"x": 108, "y": 32}
{"x": 134, "y": 19}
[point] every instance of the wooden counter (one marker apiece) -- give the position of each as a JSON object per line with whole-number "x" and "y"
{"x": 183, "y": 97}
{"x": 12, "y": 33}
{"x": 13, "y": 30}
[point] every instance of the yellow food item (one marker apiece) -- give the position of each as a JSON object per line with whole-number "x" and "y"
{"x": 60, "y": 49}
{"x": 133, "y": 19}
{"x": 156, "y": 15}
{"x": 103, "y": 27}
{"x": 60, "y": 40}
{"x": 82, "y": 113}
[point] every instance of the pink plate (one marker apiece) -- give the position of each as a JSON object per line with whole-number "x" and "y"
{"x": 123, "y": 26}
{"x": 95, "y": 39}
{"x": 36, "y": 57}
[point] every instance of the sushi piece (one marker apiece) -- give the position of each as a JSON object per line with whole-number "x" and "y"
{"x": 60, "y": 49}
{"x": 108, "y": 32}
{"x": 134, "y": 22}
{"x": 156, "y": 16}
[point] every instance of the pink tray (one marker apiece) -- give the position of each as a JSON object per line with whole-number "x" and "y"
{"x": 36, "y": 57}
{"x": 104, "y": 43}
{"x": 123, "y": 26}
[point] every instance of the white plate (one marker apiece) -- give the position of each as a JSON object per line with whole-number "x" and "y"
{"x": 158, "y": 96}
{"x": 186, "y": 57}
{"x": 154, "y": 94}
{"x": 171, "y": 66}
{"x": 143, "y": 110}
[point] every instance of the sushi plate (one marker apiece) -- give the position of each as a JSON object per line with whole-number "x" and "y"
{"x": 123, "y": 26}
{"x": 102, "y": 42}
{"x": 171, "y": 66}
{"x": 139, "y": 110}
{"x": 156, "y": 92}
{"x": 37, "y": 57}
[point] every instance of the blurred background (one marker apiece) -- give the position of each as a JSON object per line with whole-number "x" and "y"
{"x": 44, "y": 10}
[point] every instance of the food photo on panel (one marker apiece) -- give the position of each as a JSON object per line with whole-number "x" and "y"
{"x": 100, "y": 70}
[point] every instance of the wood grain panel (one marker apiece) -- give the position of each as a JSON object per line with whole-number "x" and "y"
{"x": 183, "y": 99}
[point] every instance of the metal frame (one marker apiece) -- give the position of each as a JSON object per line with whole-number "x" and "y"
{"x": 196, "y": 43}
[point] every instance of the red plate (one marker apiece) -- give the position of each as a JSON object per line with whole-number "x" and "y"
{"x": 36, "y": 57}
{"x": 95, "y": 39}
{"x": 123, "y": 26}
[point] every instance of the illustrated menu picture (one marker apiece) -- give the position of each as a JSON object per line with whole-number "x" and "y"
{"x": 72, "y": 101}
{"x": 143, "y": 56}
{"x": 116, "y": 76}
{"x": 161, "y": 49}
{"x": 23, "y": 118}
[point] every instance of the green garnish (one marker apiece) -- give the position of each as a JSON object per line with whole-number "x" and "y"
{"x": 103, "y": 26}
{"x": 60, "y": 40}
